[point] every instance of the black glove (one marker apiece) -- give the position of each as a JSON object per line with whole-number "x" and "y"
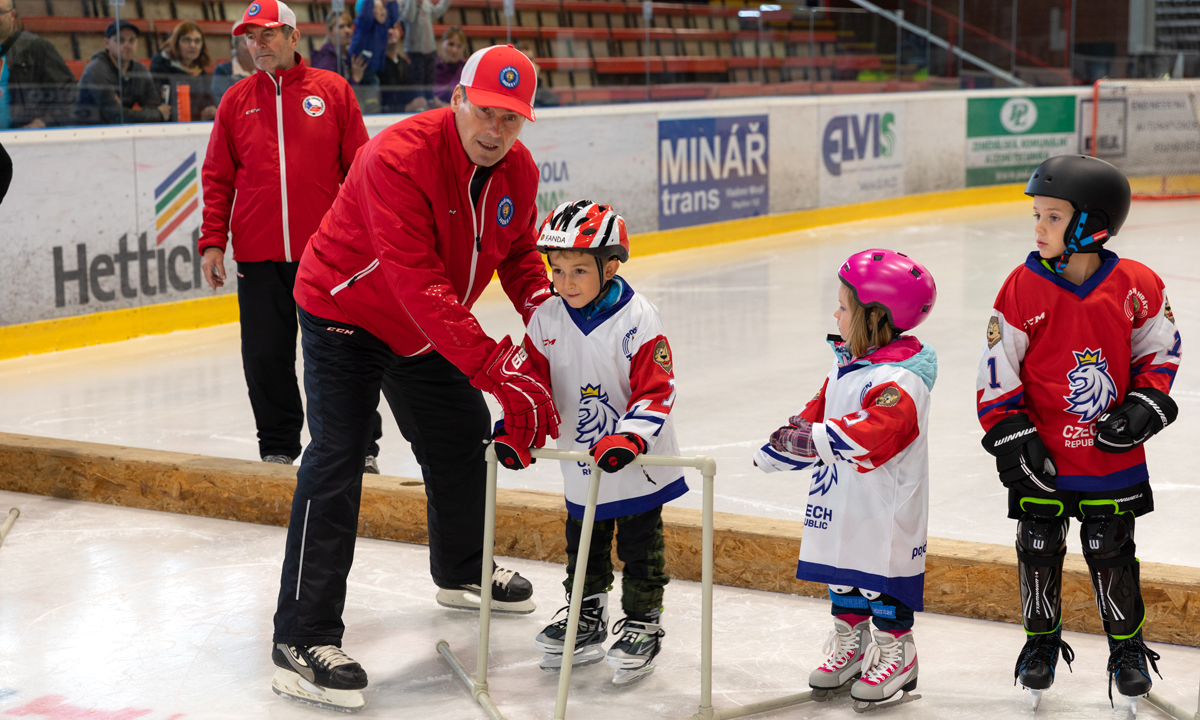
{"x": 1144, "y": 412}
{"x": 1022, "y": 459}
{"x": 510, "y": 455}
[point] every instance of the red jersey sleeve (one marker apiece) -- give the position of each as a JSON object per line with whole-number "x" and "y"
{"x": 651, "y": 389}
{"x": 1155, "y": 346}
{"x": 885, "y": 426}
{"x": 999, "y": 391}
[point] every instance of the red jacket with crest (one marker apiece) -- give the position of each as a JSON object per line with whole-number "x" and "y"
{"x": 403, "y": 254}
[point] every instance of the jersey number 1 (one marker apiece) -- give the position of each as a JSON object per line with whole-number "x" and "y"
{"x": 992, "y": 370}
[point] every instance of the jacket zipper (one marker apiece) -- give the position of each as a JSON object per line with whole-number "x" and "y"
{"x": 477, "y": 226}
{"x": 287, "y": 243}
{"x": 356, "y": 277}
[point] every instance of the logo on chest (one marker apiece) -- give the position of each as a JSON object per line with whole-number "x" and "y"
{"x": 313, "y": 105}
{"x": 1092, "y": 388}
{"x": 1135, "y": 304}
{"x": 597, "y": 417}
{"x": 505, "y": 211}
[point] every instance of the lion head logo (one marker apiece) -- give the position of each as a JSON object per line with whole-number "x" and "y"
{"x": 823, "y": 480}
{"x": 596, "y": 417}
{"x": 1092, "y": 388}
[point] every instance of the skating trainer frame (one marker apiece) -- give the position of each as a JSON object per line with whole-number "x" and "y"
{"x": 479, "y": 685}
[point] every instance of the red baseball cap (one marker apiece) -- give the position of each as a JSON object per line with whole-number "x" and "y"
{"x": 265, "y": 13}
{"x": 501, "y": 76}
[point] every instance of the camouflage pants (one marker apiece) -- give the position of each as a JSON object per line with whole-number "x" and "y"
{"x": 639, "y": 545}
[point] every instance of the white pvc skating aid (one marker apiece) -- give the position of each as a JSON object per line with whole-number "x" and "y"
{"x": 8, "y": 523}
{"x": 293, "y": 687}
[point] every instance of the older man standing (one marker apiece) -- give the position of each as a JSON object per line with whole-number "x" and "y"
{"x": 432, "y": 207}
{"x": 282, "y": 143}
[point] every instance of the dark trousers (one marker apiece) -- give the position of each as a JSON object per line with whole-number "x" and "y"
{"x": 887, "y": 612}
{"x": 268, "y": 320}
{"x": 639, "y": 545}
{"x": 444, "y": 419}
{"x": 422, "y": 72}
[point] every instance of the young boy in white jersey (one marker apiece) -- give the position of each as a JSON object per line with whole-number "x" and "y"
{"x": 602, "y": 346}
{"x": 1080, "y": 354}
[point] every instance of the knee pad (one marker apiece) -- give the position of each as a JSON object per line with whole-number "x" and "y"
{"x": 1041, "y": 547}
{"x": 1107, "y": 537}
{"x": 1109, "y": 550}
{"x": 1041, "y": 537}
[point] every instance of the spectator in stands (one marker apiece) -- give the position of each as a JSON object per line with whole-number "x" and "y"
{"x": 371, "y": 26}
{"x": 544, "y": 97}
{"x": 447, "y": 70}
{"x": 396, "y": 78}
{"x": 225, "y": 74}
{"x": 36, "y": 87}
{"x": 353, "y": 68}
{"x": 419, "y": 41}
{"x": 106, "y": 97}
{"x": 281, "y": 192}
{"x": 182, "y": 61}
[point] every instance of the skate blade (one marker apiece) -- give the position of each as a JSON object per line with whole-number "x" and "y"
{"x": 1133, "y": 704}
{"x": 463, "y": 600}
{"x": 590, "y": 655}
{"x": 862, "y": 706}
{"x": 826, "y": 694}
{"x": 288, "y": 684}
{"x": 626, "y": 676}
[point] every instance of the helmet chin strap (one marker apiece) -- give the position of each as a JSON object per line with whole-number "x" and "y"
{"x": 1077, "y": 242}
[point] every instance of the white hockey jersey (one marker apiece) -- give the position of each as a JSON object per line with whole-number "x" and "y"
{"x": 611, "y": 373}
{"x": 868, "y": 505}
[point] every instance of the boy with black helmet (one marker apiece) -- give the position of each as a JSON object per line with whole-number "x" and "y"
{"x": 1080, "y": 355}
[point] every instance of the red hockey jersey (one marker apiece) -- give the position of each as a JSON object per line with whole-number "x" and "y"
{"x": 1063, "y": 354}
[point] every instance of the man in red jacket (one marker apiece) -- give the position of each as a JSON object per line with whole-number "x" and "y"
{"x": 432, "y": 207}
{"x": 282, "y": 144}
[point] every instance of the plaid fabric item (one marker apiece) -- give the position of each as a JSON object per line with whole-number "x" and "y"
{"x": 639, "y": 545}
{"x": 795, "y": 438}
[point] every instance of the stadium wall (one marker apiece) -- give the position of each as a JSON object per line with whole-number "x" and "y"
{"x": 101, "y": 223}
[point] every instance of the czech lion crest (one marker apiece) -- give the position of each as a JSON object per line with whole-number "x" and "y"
{"x": 1092, "y": 388}
{"x": 596, "y": 417}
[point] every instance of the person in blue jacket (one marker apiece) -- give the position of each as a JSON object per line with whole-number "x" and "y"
{"x": 371, "y": 30}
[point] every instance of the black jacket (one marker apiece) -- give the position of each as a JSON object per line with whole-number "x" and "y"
{"x": 39, "y": 82}
{"x": 168, "y": 72}
{"x": 98, "y": 99}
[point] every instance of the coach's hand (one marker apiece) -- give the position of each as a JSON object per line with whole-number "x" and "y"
{"x": 529, "y": 412}
{"x": 213, "y": 267}
{"x": 1022, "y": 459}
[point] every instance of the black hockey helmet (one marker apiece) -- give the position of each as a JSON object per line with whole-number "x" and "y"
{"x": 1098, "y": 191}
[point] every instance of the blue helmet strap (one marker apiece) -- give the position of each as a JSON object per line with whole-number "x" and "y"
{"x": 1077, "y": 242}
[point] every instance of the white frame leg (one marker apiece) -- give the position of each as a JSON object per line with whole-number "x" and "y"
{"x": 1171, "y": 708}
{"x": 8, "y": 523}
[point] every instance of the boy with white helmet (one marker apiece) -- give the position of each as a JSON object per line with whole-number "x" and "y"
{"x": 610, "y": 368}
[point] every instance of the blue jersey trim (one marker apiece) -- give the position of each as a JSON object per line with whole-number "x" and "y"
{"x": 798, "y": 464}
{"x": 1113, "y": 481}
{"x": 1016, "y": 401}
{"x": 587, "y": 325}
{"x": 908, "y": 590}
{"x": 1109, "y": 258}
{"x": 632, "y": 506}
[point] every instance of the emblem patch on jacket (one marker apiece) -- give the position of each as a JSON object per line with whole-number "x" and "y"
{"x": 662, "y": 355}
{"x": 505, "y": 211}
{"x": 597, "y": 417}
{"x": 888, "y": 398}
{"x": 993, "y": 332}
{"x": 1167, "y": 310}
{"x": 1092, "y": 388}
{"x": 314, "y": 106}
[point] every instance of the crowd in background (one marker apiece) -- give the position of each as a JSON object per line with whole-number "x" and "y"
{"x": 386, "y": 50}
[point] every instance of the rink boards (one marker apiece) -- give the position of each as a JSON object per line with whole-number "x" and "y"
{"x": 967, "y": 579}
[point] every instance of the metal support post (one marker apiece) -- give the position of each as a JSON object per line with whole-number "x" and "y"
{"x": 8, "y": 523}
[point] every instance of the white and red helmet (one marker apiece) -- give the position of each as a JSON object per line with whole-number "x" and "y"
{"x": 587, "y": 227}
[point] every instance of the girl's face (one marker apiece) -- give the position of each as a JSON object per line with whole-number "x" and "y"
{"x": 1051, "y": 216}
{"x": 842, "y": 314}
{"x": 452, "y": 49}
{"x": 576, "y": 277}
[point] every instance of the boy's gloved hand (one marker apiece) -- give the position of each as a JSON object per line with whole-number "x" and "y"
{"x": 511, "y": 455}
{"x": 614, "y": 452}
{"x": 1022, "y": 459}
{"x": 1145, "y": 412}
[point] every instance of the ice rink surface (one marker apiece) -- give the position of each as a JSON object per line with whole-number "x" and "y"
{"x": 117, "y": 613}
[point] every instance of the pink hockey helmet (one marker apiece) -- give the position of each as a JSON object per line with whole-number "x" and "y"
{"x": 890, "y": 280}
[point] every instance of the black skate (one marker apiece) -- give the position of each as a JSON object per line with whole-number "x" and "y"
{"x": 320, "y": 675}
{"x": 1038, "y": 660}
{"x": 1127, "y": 665}
{"x": 641, "y": 640}
{"x": 589, "y": 636}
{"x": 511, "y": 593}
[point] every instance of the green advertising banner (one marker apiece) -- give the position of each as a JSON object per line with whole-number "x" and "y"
{"x": 1007, "y": 137}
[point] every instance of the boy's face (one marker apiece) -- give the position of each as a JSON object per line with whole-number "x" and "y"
{"x": 576, "y": 278}
{"x": 1051, "y": 216}
{"x": 842, "y": 314}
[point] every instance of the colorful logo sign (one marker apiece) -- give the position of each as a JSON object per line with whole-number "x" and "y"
{"x": 509, "y": 77}
{"x": 505, "y": 211}
{"x": 175, "y": 199}
{"x": 314, "y": 106}
{"x": 712, "y": 169}
{"x": 254, "y": 10}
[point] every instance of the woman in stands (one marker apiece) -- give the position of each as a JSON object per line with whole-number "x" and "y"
{"x": 184, "y": 61}
{"x": 447, "y": 70}
{"x": 354, "y": 69}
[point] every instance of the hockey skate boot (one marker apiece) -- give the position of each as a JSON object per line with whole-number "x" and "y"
{"x": 320, "y": 675}
{"x": 632, "y": 656}
{"x": 1127, "y": 665}
{"x": 844, "y": 648}
{"x": 888, "y": 667}
{"x": 1037, "y": 663}
{"x": 511, "y": 593}
{"x": 589, "y": 637}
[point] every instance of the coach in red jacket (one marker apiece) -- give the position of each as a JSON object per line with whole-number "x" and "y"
{"x": 281, "y": 145}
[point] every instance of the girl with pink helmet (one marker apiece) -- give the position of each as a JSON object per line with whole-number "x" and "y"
{"x": 864, "y": 436}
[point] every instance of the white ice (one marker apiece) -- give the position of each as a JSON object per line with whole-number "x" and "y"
{"x": 125, "y": 613}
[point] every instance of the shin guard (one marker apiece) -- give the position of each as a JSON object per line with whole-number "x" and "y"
{"x": 1109, "y": 549}
{"x": 1041, "y": 547}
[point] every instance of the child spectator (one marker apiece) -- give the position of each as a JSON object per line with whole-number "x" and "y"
{"x": 447, "y": 70}
{"x": 371, "y": 26}
{"x": 419, "y": 41}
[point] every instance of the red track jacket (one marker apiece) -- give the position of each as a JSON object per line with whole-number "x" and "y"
{"x": 404, "y": 255}
{"x": 283, "y": 144}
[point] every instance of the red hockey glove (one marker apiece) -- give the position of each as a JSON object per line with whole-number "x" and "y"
{"x": 529, "y": 412}
{"x": 513, "y": 457}
{"x": 614, "y": 452}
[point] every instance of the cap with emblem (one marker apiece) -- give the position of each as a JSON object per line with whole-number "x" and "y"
{"x": 265, "y": 13}
{"x": 501, "y": 76}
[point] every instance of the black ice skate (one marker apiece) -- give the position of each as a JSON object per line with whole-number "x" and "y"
{"x": 511, "y": 593}
{"x": 1127, "y": 666}
{"x": 320, "y": 675}
{"x": 1038, "y": 661}
{"x": 589, "y": 637}
{"x": 641, "y": 640}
